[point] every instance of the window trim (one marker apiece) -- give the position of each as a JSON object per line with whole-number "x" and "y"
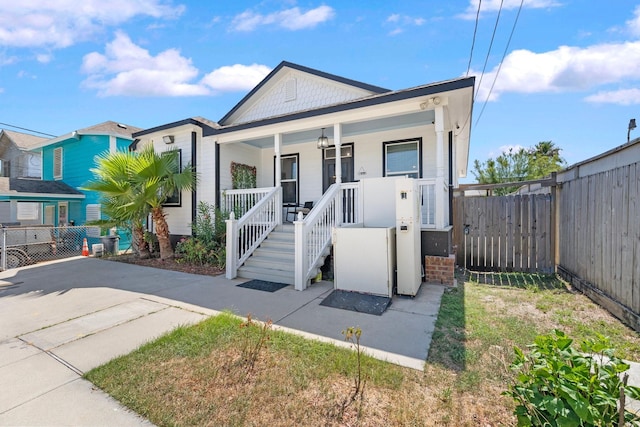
{"x": 57, "y": 171}
{"x": 385, "y": 144}
{"x": 297, "y": 179}
{"x": 175, "y": 200}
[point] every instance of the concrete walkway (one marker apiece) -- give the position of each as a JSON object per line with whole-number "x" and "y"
{"x": 61, "y": 319}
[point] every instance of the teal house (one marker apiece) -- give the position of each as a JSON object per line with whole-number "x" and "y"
{"x": 68, "y": 159}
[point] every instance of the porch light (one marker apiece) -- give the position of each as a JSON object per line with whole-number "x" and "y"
{"x": 168, "y": 139}
{"x": 323, "y": 141}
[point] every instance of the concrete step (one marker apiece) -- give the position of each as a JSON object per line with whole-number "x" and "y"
{"x": 270, "y": 262}
{"x": 281, "y": 236}
{"x": 270, "y": 275}
{"x": 283, "y": 245}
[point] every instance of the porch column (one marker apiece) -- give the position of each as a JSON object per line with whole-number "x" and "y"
{"x": 277, "y": 144}
{"x": 337, "y": 141}
{"x": 441, "y": 200}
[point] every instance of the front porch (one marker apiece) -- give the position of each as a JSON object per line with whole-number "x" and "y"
{"x": 261, "y": 245}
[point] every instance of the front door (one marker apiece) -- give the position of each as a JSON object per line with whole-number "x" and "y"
{"x": 329, "y": 166}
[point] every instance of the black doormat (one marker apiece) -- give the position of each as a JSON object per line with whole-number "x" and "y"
{"x": 354, "y": 301}
{"x": 262, "y": 285}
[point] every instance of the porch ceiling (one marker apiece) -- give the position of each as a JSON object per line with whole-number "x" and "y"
{"x": 420, "y": 118}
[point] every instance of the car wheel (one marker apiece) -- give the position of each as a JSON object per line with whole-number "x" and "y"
{"x": 15, "y": 259}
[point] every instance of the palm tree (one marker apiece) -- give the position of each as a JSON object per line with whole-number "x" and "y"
{"x": 134, "y": 185}
{"x": 112, "y": 179}
{"x": 157, "y": 176}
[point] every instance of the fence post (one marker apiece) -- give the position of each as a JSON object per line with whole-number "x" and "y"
{"x": 300, "y": 254}
{"x": 4, "y": 249}
{"x": 232, "y": 246}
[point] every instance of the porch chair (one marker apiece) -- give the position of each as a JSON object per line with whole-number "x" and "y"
{"x": 293, "y": 210}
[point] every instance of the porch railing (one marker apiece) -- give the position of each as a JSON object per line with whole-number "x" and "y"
{"x": 240, "y": 201}
{"x": 339, "y": 205}
{"x": 245, "y": 234}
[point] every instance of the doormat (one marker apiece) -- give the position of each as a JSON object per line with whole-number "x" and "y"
{"x": 262, "y": 285}
{"x": 354, "y": 301}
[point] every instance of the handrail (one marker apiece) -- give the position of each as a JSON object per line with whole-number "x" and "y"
{"x": 247, "y": 233}
{"x": 337, "y": 206}
{"x": 239, "y": 201}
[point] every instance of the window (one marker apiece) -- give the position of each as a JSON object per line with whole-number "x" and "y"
{"x": 175, "y": 198}
{"x": 28, "y": 211}
{"x": 93, "y": 213}
{"x": 289, "y": 179}
{"x": 57, "y": 163}
{"x": 403, "y": 158}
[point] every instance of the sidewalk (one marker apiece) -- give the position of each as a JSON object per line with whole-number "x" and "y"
{"x": 62, "y": 319}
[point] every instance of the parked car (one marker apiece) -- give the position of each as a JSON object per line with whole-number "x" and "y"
{"x": 26, "y": 245}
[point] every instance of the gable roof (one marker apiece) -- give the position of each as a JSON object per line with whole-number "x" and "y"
{"x": 381, "y": 98}
{"x": 110, "y": 128}
{"x": 21, "y": 185}
{"x": 284, "y": 64}
{"x": 197, "y": 121}
{"x": 23, "y": 141}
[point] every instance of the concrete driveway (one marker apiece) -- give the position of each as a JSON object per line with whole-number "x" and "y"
{"x": 61, "y": 319}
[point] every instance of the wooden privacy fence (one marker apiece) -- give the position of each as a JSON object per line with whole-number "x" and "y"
{"x": 505, "y": 233}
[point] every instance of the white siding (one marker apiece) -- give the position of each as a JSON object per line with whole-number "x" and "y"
{"x": 310, "y": 91}
{"x": 206, "y": 167}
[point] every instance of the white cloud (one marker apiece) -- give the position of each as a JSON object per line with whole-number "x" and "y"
{"x": 564, "y": 69}
{"x": 235, "y": 77}
{"x": 291, "y": 19}
{"x": 619, "y": 97}
{"x": 61, "y": 23}
{"x": 128, "y": 69}
{"x": 633, "y": 25}
{"x": 494, "y": 6}
{"x": 44, "y": 58}
{"x": 403, "y": 21}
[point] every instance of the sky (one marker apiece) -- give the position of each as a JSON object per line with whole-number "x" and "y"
{"x": 566, "y": 71}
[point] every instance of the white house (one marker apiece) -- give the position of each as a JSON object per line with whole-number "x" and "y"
{"x": 290, "y": 128}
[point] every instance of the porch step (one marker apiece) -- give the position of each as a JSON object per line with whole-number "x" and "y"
{"x": 273, "y": 261}
{"x": 270, "y": 275}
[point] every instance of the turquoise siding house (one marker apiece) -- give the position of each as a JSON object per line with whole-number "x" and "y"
{"x": 68, "y": 159}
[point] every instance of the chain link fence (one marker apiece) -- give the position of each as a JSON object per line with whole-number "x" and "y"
{"x": 20, "y": 246}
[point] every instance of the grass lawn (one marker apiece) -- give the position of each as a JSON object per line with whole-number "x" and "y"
{"x": 225, "y": 372}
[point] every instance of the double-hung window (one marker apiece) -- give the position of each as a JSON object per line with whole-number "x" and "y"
{"x": 403, "y": 158}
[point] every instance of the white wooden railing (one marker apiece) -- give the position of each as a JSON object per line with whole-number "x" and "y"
{"x": 245, "y": 234}
{"x": 340, "y": 204}
{"x": 240, "y": 201}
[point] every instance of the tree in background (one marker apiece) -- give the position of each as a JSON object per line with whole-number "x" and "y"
{"x": 519, "y": 165}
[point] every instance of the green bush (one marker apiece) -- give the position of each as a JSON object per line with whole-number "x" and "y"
{"x": 557, "y": 385}
{"x": 208, "y": 244}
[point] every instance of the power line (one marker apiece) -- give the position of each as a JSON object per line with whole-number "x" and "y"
{"x": 28, "y": 130}
{"x": 473, "y": 42}
{"x": 486, "y": 60}
{"x": 504, "y": 54}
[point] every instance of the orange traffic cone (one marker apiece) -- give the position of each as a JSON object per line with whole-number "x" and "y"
{"x": 85, "y": 247}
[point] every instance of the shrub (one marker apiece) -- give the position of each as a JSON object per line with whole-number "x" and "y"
{"x": 557, "y": 385}
{"x": 208, "y": 246}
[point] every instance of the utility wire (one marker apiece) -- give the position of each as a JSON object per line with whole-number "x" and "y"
{"x": 504, "y": 54}
{"x": 473, "y": 41}
{"x": 28, "y": 130}
{"x": 486, "y": 60}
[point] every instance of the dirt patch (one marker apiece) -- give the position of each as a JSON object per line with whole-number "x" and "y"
{"x": 175, "y": 264}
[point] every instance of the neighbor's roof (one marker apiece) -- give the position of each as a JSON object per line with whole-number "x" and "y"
{"x": 23, "y": 141}
{"x": 111, "y": 128}
{"x": 21, "y": 185}
{"x": 198, "y": 121}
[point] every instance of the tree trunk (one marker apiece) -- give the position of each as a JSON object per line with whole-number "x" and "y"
{"x": 162, "y": 232}
{"x": 141, "y": 244}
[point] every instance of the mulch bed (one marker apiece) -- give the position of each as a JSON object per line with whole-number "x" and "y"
{"x": 170, "y": 264}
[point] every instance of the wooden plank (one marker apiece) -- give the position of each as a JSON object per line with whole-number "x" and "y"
{"x": 533, "y": 221}
{"x": 525, "y": 232}
{"x": 634, "y": 234}
{"x": 626, "y": 248}
{"x": 542, "y": 228}
{"x": 502, "y": 260}
{"x": 482, "y": 232}
{"x": 517, "y": 239}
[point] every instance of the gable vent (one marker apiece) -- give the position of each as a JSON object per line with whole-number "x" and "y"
{"x": 290, "y": 90}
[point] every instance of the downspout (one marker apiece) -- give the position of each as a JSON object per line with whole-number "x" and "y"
{"x": 450, "y": 177}
{"x": 217, "y": 174}
{"x": 194, "y": 163}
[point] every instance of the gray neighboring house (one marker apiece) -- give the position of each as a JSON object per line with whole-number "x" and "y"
{"x": 16, "y": 159}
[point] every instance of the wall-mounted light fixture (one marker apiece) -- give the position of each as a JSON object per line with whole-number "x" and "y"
{"x": 632, "y": 125}
{"x": 323, "y": 141}
{"x": 362, "y": 171}
{"x": 168, "y": 139}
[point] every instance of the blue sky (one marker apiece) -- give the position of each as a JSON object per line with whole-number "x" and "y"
{"x": 570, "y": 74}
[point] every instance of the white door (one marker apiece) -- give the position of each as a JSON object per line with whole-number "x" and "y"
{"x": 63, "y": 213}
